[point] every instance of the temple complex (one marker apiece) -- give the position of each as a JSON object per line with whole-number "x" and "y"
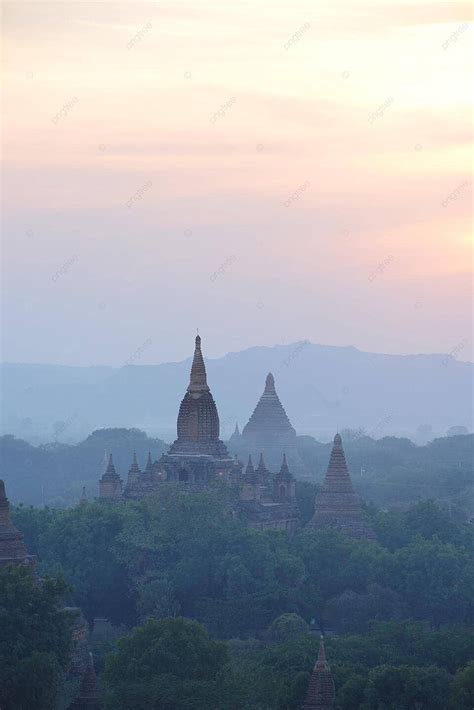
{"x": 12, "y": 546}
{"x": 89, "y": 695}
{"x": 321, "y": 693}
{"x": 269, "y": 431}
{"x": 198, "y": 457}
{"x": 337, "y": 505}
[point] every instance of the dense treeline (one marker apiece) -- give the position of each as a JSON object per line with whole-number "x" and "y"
{"x": 183, "y": 554}
{"x": 400, "y": 608}
{"x": 390, "y": 472}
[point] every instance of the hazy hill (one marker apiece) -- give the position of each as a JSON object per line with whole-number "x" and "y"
{"x": 323, "y": 388}
{"x": 54, "y": 474}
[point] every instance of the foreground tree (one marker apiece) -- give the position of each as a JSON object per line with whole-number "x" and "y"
{"x": 35, "y": 639}
{"x": 170, "y": 664}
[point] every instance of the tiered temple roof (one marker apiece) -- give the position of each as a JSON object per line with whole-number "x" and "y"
{"x": 321, "y": 692}
{"x": 89, "y": 695}
{"x": 269, "y": 418}
{"x": 12, "y": 546}
{"x": 337, "y": 505}
{"x": 269, "y": 430}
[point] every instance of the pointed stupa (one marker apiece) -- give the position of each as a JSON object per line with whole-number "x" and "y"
{"x": 235, "y": 437}
{"x": 149, "y": 464}
{"x": 110, "y": 471}
{"x": 198, "y": 421}
{"x": 321, "y": 693}
{"x": 134, "y": 468}
{"x": 110, "y": 485}
{"x": 269, "y": 419}
{"x": 284, "y": 472}
{"x": 337, "y": 505}
{"x": 250, "y": 469}
{"x": 12, "y": 546}
{"x": 261, "y": 472}
{"x": 89, "y": 695}
{"x": 198, "y": 378}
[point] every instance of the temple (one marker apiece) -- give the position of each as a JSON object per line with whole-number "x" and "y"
{"x": 268, "y": 501}
{"x": 337, "y": 505}
{"x": 89, "y": 695}
{"x": 321, "y": 693}
{"x": 198, "y": 457}
{"x": 269, "y": 431}
{"x": 12, "y": 547}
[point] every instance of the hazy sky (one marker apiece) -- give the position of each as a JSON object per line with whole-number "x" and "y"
{"x": 266, "y": 171}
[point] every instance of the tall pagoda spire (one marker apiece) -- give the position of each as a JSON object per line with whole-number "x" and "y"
{"x": 198, "y": 421}
{"x": 89, "y": 695}
{"x": 337, "y": 505}
{"x": 198, "y": 379}
{"x": 321, "y": 693}
{"x": 12, "y": 546}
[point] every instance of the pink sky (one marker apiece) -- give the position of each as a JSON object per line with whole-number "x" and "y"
{"x": 267, "y": 172}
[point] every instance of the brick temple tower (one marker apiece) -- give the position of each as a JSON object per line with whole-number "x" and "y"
{"x": 321, "y": 693}
{"x": 89, "y": 695}
{"x": 198, "y": 455}
{"x": 12, "y": 547}
{"x": 337, "y": 505}
{"x": 269, "y": 430}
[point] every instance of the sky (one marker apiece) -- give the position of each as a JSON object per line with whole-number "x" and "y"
{"x": 264, "y": 171}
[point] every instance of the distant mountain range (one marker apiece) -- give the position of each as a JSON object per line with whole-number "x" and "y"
{"x": 323, "y": 389}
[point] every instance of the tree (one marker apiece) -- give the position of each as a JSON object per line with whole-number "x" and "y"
{"x": 82, "y": 541}
{"x": 35, "y": 639}
{"x": 405, "y": 687}
{"x": 462, "y": 697}
{"x": 435, "y": 579}
{"x": 287, "y": 627}
{"x": 171, "y": 664}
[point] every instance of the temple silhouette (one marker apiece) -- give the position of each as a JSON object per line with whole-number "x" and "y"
{"x": 264, "y": 496}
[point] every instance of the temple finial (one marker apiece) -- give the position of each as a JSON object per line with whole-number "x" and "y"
{"x": 198, "y": 379}
{"x": 110, "y": 465}
{"x": 270, "y": 383}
